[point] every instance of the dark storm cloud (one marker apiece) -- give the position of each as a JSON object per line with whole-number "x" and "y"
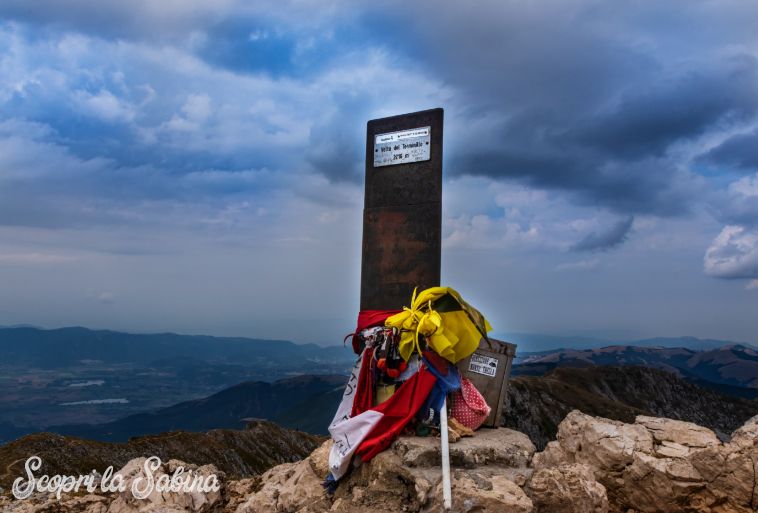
{"x": 739, "y": 152}
{"x": 646, "y": 123}
{"x": 589, "y": 100}
{"x": 608, "y": 239}
{"x": 643, "y": 187}
{"x": 335, "y": 144}
{"x": 619, "y": 156}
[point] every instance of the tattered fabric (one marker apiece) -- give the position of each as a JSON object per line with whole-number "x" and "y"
{"x": 452, "y": 328}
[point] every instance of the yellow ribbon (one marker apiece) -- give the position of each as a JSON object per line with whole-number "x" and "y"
{"x": 422, "y": 319}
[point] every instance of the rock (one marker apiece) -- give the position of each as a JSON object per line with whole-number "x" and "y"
{"x": 503, "y": 447}
{"x": 568, "y": 488}
{"x": 406, "y": 477}
{"x": 658, "y": 464}
{"x": 287, "y": 487}
{"x": 472, "y": 492}
{"x": 384, "y": 484}
{"x": 731, "y": 471}
{"x": 196, "y": 501}
{"x": 599, "y": 442}
{"x": 651, "y": 482}
{"x": 486, "y": 468}
{"x": 746, "y": 436}
{"x": 46, "y": 504}
{"x": 239, "y": 491}
{"x": 681, "y": 433}
{"x": 319, "y": 459}
{"x": 387, "y": 484}
{"x": 552, "y": 456}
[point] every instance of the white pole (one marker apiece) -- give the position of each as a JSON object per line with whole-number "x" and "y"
{"x": 446, "y": 493}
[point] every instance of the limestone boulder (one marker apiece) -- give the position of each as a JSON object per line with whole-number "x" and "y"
{"x": 288, "y": 487}
{"x": 598, "y": 442}
{"x": 503, "y": 447}
{"x": 568, "y": 488}
{"x": 195, "y": 501}
{"x": 678, "y": 433}
{"x": 474, "y": 492}
{"x": 44, "y": 503}
{"x": 657, "y": 464}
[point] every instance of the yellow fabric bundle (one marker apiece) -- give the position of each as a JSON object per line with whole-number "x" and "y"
{"x": 452, "y": 327}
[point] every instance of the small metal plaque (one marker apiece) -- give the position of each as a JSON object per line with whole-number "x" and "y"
{"x": 402, "y": 147}
{"x": 482, "y": 364}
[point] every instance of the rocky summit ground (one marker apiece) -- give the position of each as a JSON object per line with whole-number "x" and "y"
{"x": 595, "y": 465}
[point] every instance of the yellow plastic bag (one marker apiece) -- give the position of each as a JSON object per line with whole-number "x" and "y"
{"x": 452, "y": 327}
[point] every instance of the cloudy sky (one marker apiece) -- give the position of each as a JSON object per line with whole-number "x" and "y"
{"x": 196, "y": 166}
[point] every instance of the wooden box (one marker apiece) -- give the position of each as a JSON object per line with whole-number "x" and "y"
{"x": 489, "y": 368}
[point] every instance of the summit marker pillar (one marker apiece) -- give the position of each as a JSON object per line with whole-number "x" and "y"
{"x": 402, "y": 214}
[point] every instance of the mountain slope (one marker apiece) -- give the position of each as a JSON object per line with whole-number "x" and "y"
{"x": 237, "y": 452}
{"x": 293, "y": 402}
{"x": 537, "y": 404}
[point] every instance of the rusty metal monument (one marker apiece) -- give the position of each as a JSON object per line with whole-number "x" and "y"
{"x": 402, "y": 213}
{"x": 402, "y": 243}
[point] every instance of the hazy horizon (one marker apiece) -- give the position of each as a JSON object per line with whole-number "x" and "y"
{"x": 576, "y": 340}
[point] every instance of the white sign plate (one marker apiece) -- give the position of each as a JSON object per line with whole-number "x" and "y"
{"x": 402, "y": 147}
{"x": 483, "y": 365}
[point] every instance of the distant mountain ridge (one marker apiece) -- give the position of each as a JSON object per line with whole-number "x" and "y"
{"x": 62, "y": 347}
{"x": 732, "y": 365}
{"x": 531, "y": 343}
{"x": 52, "y": 348}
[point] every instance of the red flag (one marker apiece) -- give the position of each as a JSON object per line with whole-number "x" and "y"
{"x": 396, "y": 412}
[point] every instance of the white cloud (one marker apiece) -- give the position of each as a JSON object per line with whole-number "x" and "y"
{"x": 26, "y": 157}
{"x": 746, "y": 187}
{"x": 733, "y": 254}
{"x": 197, "y": 107}
{"x": 104, "y": 105}
{"x": 257, "y": 35}
{"x": 484, "y": 232}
